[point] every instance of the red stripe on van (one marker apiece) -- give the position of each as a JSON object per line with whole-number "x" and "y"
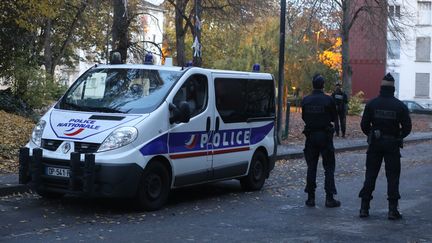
{"x": 233, "y": 150}
{"x": 188, "y": 155}
{"x": 205, "y": 153}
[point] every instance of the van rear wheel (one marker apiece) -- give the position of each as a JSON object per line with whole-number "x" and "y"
{"x": 154, "y": 187}
{"x": 257, "y": 173}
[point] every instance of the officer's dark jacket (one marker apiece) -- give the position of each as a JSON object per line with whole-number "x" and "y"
{"x": 340, "y": 99}
{"x": 387, "y": 114}
{"x": 318, "y": 111}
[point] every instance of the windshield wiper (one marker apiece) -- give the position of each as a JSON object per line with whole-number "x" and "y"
{"x": 75, "y": 107}
{"x": 104, "y": 109}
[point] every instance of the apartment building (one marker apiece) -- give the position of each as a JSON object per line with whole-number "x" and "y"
{"x": 409, "y": 54}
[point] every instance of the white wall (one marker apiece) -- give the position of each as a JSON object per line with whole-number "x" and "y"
{"x": 407, "y": 66}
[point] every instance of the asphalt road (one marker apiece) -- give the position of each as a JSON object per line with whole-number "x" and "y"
{"x": 221, "y": 212}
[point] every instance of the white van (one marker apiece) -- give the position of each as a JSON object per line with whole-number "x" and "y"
{"x": 141, "y": 130}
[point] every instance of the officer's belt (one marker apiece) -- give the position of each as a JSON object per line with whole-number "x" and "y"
{"x": 388, "y": 137}
{"x": 325, "y": 129}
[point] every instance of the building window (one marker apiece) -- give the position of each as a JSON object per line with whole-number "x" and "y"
{"x": 424, "y": 13}
{"x": 394, "y": 11}
{"x": 422, "y": 85}
{"x": 423, "y": 49}
{"x": 393, "y": 50}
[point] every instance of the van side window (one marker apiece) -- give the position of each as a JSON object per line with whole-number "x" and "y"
{"x": 231, "y": 99}
{"x": 261, "y": 103}
{"x": 237, "y": 100}
{"x": 195, "y": 92}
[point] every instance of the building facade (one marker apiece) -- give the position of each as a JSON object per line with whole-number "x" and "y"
{"x": 409, "y": 56}
{"x": 368, "y": 50}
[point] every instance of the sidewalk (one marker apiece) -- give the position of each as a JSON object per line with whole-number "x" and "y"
{"x": 342, "y": 145}
{"x": 9, "y": 182}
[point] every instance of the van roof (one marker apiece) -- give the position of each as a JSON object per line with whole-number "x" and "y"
{"x": 139, "y": 66}
{"x": 175, "y": 68}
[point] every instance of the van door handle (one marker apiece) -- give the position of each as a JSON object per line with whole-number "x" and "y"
{"x": 217, "y": 124}
{"x": 208, "y": 125}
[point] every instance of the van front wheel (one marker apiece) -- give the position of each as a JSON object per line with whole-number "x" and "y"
{"x": 154, "y": 187}
{"x": 257, "y": 173}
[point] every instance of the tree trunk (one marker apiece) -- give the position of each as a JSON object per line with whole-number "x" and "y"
{"x": 51, "y": 59}
{"x": 197, "y": 60}
{"x": 180, "y": 33}
{"x": 346, "y": 67}
{"x": 48, "y": 56}
{"x": 120, "y": 27}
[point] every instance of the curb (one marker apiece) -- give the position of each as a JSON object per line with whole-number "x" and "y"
{"x": 298, "y": 155}
{"x": 10, "y": 189}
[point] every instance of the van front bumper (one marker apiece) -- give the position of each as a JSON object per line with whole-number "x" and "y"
{"x": 83, "y": 178}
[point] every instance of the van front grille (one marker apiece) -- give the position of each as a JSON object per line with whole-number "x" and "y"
{"x": 83, "y": 148}
{"x": 50, "y": 144}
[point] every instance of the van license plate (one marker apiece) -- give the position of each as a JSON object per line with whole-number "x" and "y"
{"x": 53, "y": 171}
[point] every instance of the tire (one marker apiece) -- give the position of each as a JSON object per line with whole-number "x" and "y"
{"x": 154, "y": 187}
{"x": 255, "y": 179}
{"x": 50, "y": 195}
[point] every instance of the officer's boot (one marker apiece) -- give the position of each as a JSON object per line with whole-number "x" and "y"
{"x": 310, "y": 202}
{"x": 331, "y": 202}
{"x": 393, "y": 213}
{"x": 364, "y": 209}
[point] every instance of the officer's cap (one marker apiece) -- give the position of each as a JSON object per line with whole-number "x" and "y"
{"x": 389, "y": 77}
{"x": 388, "y": 80}
{"x": 318, "y": 81}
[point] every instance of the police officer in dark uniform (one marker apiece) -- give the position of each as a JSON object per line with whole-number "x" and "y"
{"x": 386, "y": 121}
{"x": 318, "y": 111}
{"x": 341, "y": 101}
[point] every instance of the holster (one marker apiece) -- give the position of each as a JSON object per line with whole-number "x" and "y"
{"x": 373, "y": 135}
{"x": 370, "y": 138}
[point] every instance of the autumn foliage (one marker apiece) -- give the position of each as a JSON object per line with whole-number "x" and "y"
{"x": 332, "y": 57}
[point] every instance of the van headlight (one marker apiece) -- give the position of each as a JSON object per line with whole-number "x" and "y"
{"x": 37, "y": 133}
{"x": 119, "y": 138}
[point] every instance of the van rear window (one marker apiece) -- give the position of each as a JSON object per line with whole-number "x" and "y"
{"x": 238, "y": 100}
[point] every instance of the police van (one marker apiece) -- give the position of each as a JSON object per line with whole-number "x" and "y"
{"x": 132, "y": 130}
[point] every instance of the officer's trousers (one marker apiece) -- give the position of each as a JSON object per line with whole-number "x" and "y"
{"x": 341, "y": 119}
{"x": 320, "y": 143}
{"x": 389, "y": 150}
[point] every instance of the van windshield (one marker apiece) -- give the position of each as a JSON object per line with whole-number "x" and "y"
{"x": 119, "y": 90}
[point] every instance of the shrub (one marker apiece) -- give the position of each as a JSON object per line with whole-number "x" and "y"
{"x": 355, "y": 104}
{"x": 35, "y": 87}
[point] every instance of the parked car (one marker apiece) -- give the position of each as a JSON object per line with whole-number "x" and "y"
{"x": 416, "y": 108}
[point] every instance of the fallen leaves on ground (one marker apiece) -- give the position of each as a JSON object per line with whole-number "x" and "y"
{"x": 15, "y": 132}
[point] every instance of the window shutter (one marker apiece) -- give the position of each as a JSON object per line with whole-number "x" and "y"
{"x": 422, "y": 84}
{"x": 423, "y": 49}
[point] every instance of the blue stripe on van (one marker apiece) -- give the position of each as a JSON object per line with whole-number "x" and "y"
{"x": 259, "y": 133}
{"x": 158, "y": 146}
{"x": 193, "y": 141}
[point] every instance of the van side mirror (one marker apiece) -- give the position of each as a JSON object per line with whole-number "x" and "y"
{"x": 182, "y": 113}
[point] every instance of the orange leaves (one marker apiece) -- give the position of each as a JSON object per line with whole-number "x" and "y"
{"x": 332, "y": 57}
